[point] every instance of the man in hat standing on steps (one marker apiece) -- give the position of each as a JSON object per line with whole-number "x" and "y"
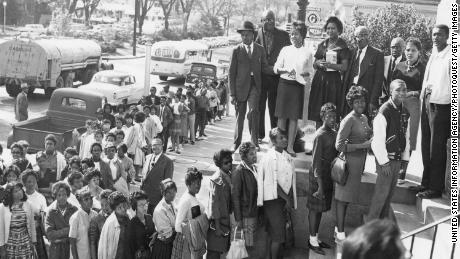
{"x": 245, "y": 82}
{"x": 22, "y": 104}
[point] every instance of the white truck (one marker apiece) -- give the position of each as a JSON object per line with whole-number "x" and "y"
{"x": 48, "y": 63}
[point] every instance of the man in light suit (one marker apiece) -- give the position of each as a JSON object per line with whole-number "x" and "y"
{"x": 272, "y": 40}
{"x": 22, "y": 104}
{"x": 397, "y": 55}
{"x": 245, "y": 82}
{"x": 157, "y": 167}
{"x": 366, "y": 70}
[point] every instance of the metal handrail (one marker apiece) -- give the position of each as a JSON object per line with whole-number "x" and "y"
{"x": 434, "y": 225}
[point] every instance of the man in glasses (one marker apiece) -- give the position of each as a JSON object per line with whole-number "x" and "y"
{"x": 272, "y": 40}
{"x": 157, "y": 167}
{"x": 365, "y": 69}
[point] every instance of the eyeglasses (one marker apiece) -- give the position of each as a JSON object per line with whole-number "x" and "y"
{"x": 16, "y": 152}
{"x": 268, "y": 20}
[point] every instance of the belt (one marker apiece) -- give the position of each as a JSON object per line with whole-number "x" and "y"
{"x": 394, "y": 156}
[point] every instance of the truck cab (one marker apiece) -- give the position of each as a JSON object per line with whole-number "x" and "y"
{"x": 203, "y": 71}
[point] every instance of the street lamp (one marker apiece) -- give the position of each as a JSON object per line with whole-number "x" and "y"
{"x": 4, "y": 15}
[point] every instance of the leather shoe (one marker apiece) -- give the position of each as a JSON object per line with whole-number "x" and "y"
{"x": 417, "y": 188}
{"x": 429, "y": 194}
{"x": 316, "y": 249}
{"x": 324, "y": 245}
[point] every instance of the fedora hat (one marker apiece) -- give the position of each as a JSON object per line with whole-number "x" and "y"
{"x": 247, "y": 26}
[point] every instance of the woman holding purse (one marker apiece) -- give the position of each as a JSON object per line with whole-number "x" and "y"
{"x": 353, "y": 139}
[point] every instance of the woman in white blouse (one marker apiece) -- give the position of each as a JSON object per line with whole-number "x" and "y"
{"x": 276, "y": 186}
{"x": 38, "y": 204}
{"x": 164, "y": 218}
{"x": 294, "y": 64}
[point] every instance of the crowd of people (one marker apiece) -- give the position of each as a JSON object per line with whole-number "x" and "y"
{"x": 81, "y": 202}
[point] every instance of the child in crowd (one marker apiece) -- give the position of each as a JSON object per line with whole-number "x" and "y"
{"x": 98, "y": 136}
{"x": 183, "y": 121}
{"x": 121, "y": 110}
{"x": 202, "y": 106}
{"x": 319, "y": 196}
{"x": 213, "y": 102}
{"x": 86, "y": 139}
{"x": 119, "y": 121}
{"x": 119, "y": 137}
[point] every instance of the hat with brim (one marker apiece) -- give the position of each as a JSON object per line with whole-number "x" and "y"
{"x": 24, "y": 85}
{"x": 247, "y": 26}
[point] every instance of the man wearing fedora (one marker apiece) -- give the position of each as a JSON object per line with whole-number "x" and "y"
{"x": 22, "y": 104}
{"x": 245, "y": 81}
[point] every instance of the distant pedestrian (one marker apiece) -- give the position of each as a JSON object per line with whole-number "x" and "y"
{"x": 202, "y": 106}
{"x": 166, "y": 118}
{"x": 245, "y": 81}
{"x": 136, "y": 141}
{"x": 21, "y": 108}
{"x": 152, "y": 98}
{"x": 191, "y": 104}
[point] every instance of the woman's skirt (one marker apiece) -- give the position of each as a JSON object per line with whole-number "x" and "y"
{"x": 351, "y": 190}
{"x": 175, "y": 129}
{"x": 275, "y": 218}
{"x": 289, "y": 100}
{"x": 181, "y": 248}
{"x": 19, "y": 245}
{"x": 315, "y": 204}
{"x": 162, "y": 250}
{"x": 183, "y": 125}
{"x": 324, "y": 89}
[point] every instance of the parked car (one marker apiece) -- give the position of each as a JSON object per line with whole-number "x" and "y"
{"x": 33, "y": 28}
{"x": 203, "y": 71}
{"x": 115, "y": 86}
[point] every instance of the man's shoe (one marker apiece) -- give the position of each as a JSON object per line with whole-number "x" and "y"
{"x": 417, "y": 188}
{"x": 204, "y": 135}
{"x": 429, "y": 194}
{"x": 324, "y": 245}
{"x": 316, "y": 249}
{"x": 192, "y": 142}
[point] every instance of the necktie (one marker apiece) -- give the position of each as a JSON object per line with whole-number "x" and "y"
{"x": 391, "y": 69}
{"x": 356, "y": 64}
{"x": 249, "y": 51}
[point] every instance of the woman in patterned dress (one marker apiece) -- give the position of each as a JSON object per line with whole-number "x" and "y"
{"x": 18, "y": 238}
{"x": 327, "y": 81}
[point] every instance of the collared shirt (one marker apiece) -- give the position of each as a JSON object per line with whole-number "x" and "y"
{"x": 79, "y": 226}
{"x": 164, "y": 218}
{"x": 361, "y": 57}
{"x": 378, "y": 143}
{"x": 37, "y": 202}
{"x": 246, "y": 47}
{"x": 437, "y": 76}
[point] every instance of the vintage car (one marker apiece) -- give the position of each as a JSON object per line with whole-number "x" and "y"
{"x": 115, "y": 86}
{"x": 68, "y": 109}
{"x": 204, "y": 71}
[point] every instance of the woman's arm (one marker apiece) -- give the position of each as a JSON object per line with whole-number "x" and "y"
{"x": 341, "y": 143}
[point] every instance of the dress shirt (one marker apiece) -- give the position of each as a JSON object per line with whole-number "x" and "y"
{"x": 246, "y": 47}
{"x": 164, "y": 218}
{"x": 79, "y": 226}
{"x": 361, "y": 57}
{"x": 378, "y": 143}
{"x": 437, "y": 76}
{"x": 299, "y": 59}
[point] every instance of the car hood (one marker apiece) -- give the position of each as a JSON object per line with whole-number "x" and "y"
{"x": 101, "y": 87}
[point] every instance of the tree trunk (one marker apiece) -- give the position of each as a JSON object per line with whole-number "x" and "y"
{"x": 166, "y": 22}
{"x": 87, "y": 15}
{"x": 185, "y": 23}
{"x": 141, "y": 23}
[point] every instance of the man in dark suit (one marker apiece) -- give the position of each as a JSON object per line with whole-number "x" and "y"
{"x": 245, "y": 82}
{"x": 166, "y": 119}
{"x": 366, "y": 70}
{"x": 22, "y": 105}
{"x": 272, "y": 40}
{"x": 102, "y": 166}
{"x": 152, "y": 98}
{"x": 396, "y": 55}
{"x": 157, "y": 167}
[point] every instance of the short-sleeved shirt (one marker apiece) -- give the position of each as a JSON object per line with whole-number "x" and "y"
{"x": 79, "y": 227}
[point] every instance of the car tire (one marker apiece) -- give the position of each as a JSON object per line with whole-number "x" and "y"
{"x": 68, "y": 81}
{"x": 163, "y": 78}
{"x": 60, "y": 83}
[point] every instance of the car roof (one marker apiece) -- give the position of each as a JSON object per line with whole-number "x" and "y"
{"x": 114, "y": 73}
{"x": 208, "y": 63}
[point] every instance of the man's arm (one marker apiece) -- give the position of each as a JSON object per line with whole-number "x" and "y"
{"x": 73, "y": 234}
{"x": 232, "y": 72}
{"x": 378, "y": 78}
{"x": 93, "y": 235}
{"x": 169, "y": 170}
{"x": 378, "y": 141}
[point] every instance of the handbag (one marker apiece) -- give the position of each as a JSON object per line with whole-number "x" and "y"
{"x": 237, "y": 247}
{"x": 339, "y": 170}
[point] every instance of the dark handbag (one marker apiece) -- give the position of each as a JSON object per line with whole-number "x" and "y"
{"x": 339, "y": 170}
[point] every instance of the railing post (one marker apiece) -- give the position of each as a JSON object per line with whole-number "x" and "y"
{"x": 434, "y": 240}
{"x": 453, "y": 251}
{"x": 412, "y": 243}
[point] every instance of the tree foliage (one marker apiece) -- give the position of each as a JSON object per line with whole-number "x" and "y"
{"x": 144, "y": 8}
{"x": 395, "y": 20}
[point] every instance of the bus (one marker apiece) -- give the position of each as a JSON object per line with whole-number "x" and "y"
{"x": 174, "y": 58}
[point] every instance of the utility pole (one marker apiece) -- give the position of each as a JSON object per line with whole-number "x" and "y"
{"x": 136, "y": 15}
{"x": 4, "y": 16}
{"x": 302, "y": 11}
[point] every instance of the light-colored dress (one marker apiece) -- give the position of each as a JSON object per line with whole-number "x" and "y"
{"x": 135, "y": 141}
{"x": 19, "y": 245}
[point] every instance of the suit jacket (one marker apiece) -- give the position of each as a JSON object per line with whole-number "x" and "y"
{"x": 280, "y": 40}
{"x": 386, "y": 83}
{"x": 370, "y": 75}
{"x": 167, "y": 117}
{"x": 106, "y": 175}
{"x": 244, "y": 193}
{"x": 241, "y": 66}
{"x": 21, "y": 107}
{"x": 57, "y": 231}
{"x": 154, "y": 174}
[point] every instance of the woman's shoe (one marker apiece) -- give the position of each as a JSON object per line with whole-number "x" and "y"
{"x": 324, "y": 245}
{"x": 316, "y": 249}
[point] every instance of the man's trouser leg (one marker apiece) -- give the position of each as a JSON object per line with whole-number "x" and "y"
{"x": 272, "y": 94}
{"x": 383, "y": 192}
{"x": 439, "y": 115}
{"x": 165, "y": 136}
{"x": 263, "y": 105}
{"x": 425, "y": 145}
{"x": 191, "y": 126}
{"x": 240, "y": 108}
{"x": 253, "y": 114}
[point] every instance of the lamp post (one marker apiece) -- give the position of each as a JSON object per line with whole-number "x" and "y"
{"x": 4, "y": 15}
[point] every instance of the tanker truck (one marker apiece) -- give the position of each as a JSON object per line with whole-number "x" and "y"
{"x": 48, "y": 63}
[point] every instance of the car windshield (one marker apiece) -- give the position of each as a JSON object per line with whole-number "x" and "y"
{"x": 113, "y": 80}
{"x": 203, "y": 70}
